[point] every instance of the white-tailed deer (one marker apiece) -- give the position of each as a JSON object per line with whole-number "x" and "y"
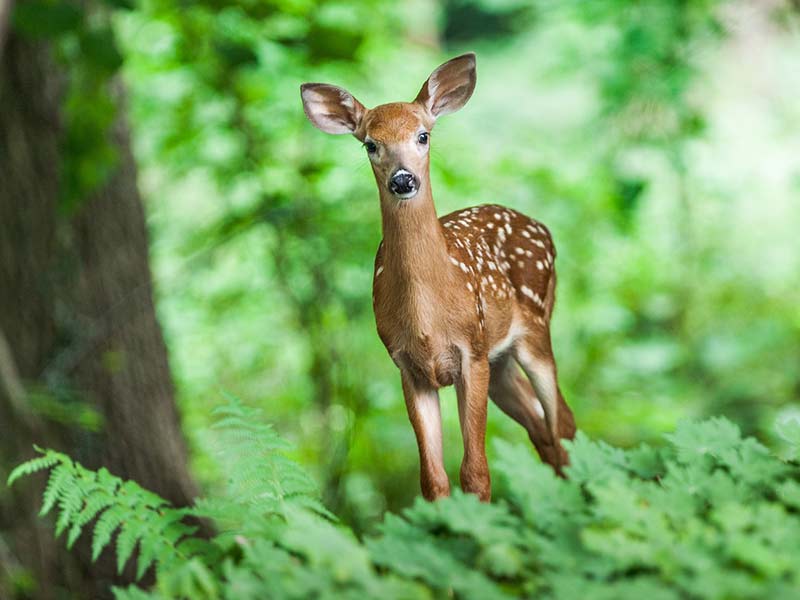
{"x": 465, "y": 299}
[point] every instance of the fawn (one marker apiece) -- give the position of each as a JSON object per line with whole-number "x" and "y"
{"x": 462, "y": 300}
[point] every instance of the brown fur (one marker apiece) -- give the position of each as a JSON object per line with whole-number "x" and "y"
{"x": 464, "y": 300}
{"x": 395, "y": 122}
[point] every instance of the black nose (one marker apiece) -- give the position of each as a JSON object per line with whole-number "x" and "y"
{"x": 403, "y": 182}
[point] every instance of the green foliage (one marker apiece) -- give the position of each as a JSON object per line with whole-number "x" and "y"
{"x": 45, "y": 19}
{"x": 710, "y": 515}
{"x": 788, "y": 429}
{"x": 136, "y": 515}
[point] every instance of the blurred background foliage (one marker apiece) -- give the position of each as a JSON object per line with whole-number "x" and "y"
{"x": 659, "y": 140}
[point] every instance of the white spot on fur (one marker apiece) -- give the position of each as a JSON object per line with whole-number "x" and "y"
{"x": 538, "y": 408}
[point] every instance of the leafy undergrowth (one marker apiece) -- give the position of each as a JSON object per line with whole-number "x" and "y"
{"x": 709, "y": 515}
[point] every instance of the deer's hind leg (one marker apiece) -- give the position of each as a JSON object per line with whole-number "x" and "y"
{"x": 535, "y": 355}
{"x": 514, "y": 395}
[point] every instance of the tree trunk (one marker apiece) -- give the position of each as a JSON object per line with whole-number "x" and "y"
{"x": 79, "y": 326}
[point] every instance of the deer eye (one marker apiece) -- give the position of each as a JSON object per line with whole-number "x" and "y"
{"x": 371, "y": 147}
{"x": 422, "y": 138}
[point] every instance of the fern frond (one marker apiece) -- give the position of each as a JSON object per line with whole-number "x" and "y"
{"x": 94, "y": 504}
{"x": 172, "y": 528}
{"x": 627, "y": 524}
{"x": 134, "y": 514}
{"x": 105, "y": 481}
{"x": 69, "y": 505}
{"x": 148, "y": 550}
{"x": 127, "y": 538}
{"x": 133, "y": 495}
{"x": 134, "y": 593}
{"x": 60, "y": 479}
{"x": 260, "y": 475}
{"x": 34, "y": 465}
{"x": 105, "y": 527}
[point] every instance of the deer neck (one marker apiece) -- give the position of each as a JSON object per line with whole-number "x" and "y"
{"x": 415, "y": 250}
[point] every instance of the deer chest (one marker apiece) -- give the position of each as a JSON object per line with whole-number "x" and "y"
{"x": 421, "y": 346}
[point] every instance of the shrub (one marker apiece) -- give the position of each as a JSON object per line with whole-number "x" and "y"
{"x": 709, "y": 515}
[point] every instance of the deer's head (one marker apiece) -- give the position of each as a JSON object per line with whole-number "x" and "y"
{"x": 396, "y": 136}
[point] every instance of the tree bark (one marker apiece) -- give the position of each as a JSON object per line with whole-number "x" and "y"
{"x": 79, "y": 324}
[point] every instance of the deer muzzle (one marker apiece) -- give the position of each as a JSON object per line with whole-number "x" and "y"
{"x": 403, "y": 184}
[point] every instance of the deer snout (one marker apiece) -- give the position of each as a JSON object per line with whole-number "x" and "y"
{"x": 403, "y": 184}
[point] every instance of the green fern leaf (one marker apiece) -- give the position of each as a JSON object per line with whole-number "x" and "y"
{"x": 60, "y": 478}
{"x": 712, "y": 438}
{"x": 132, "y": 495}
{"x": 134, "y": 593}
{"x": 70, "y": 503}
{"x": 94, "y": 504}
{"x": 176, "y": 531}
{"x": 148, "y": 550}
{"x": 108, "y": 522}
{"x": 126, "y": 541}
{"x": 34, "y": 465}
{"x": 73, "y": 535}
{"x": 107, "y": 482}
{"x": 189, "y": 579}
{"x": 789, "y": 493}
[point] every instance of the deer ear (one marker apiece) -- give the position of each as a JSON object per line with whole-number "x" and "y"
{"x": 449, "y": 87}
{"x": 330, "y": 108}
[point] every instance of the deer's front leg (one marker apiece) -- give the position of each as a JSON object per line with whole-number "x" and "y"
{"x": 422, "y": 403}
{"x": 472, "y": 389}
